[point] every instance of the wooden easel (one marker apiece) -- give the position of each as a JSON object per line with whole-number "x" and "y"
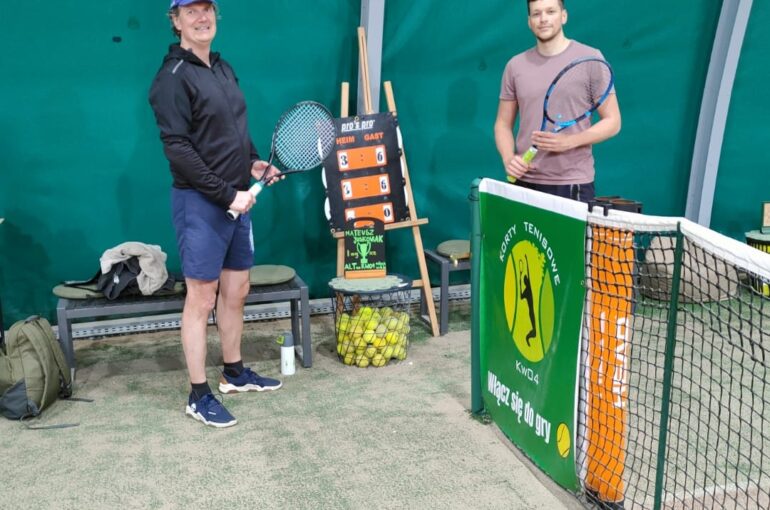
{"x": 414, "y": 222}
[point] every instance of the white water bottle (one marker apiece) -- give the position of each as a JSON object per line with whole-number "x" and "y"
{"x": 287, "y": 353}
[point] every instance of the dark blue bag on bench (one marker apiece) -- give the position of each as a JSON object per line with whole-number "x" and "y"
{"x": 120, "y": 280}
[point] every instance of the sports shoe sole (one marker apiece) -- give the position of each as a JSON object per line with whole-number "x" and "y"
{"x": 199, "y": 417}
{"x": 231, "y": 388}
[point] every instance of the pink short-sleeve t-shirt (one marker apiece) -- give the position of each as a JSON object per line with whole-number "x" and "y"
{"x": 525, "y": 80}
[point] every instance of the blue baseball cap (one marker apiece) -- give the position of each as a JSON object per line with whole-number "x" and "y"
{"x": 182, "y": 3}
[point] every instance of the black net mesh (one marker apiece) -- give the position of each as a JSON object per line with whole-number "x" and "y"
{"x": 675, "y": 394}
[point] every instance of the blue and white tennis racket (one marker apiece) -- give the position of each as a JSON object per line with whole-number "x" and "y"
{"x": 574, "y": 94}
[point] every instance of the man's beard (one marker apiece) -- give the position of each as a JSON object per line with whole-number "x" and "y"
{"x": 551, "y": 38}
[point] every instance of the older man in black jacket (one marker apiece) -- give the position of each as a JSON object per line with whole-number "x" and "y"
{"x": 201, "y": 113}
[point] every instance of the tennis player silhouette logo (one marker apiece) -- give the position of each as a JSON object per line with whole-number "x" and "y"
{"x": 526, "y": 295}
{"x": 529, "y": 301}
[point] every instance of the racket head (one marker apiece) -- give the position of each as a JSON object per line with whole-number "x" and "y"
{"x": 304, "y": 136}
{"x": 577, "y": 91}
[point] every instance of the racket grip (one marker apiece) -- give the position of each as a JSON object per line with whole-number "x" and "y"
{"x": 529, "y": 155}
{"x": 255, "y": 190}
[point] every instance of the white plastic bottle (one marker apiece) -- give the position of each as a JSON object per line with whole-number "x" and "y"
{"x": 287, "y": 353}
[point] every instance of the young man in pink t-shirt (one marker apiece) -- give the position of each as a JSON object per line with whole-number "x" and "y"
{"x": 564, "y": 165}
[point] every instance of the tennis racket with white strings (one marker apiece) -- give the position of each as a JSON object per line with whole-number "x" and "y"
{"x": 574, "y": 94}
{"x": 303, "y": 137}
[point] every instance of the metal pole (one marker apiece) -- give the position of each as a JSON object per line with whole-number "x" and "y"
{"x": 373, "y": 20}
{"x": 477, "y": 403}
{"x": 668, "y": 368}
{"x": 715, "y": 106}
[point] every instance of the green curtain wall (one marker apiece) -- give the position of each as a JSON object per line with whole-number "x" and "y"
{"x": 82, "y": 168}
{"x": 82, "y": 164}
{"x": 743, "y": 182}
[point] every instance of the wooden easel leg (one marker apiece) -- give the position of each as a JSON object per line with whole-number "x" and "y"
{"x": 344, "y": 100}
{"x": 341, "y": 257}
{"x": 424, "y": 281}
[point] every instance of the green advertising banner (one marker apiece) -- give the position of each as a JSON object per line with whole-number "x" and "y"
{"x": 531, "y": 305}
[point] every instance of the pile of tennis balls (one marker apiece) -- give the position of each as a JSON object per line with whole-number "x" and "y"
{"x": 372, "y": 336}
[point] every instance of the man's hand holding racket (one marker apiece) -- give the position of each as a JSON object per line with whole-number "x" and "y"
{"x": 245, "y": 200}
{"x": 242, "y": 203}
{"x": 516, "y": 167}
{"x": 273, "y": 175}
{"x": 553, "y": 142}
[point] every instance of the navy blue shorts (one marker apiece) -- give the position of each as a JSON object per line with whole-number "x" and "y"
{"x": 207, "y": 239}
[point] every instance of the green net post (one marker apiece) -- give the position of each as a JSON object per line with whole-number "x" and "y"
{"x": 668, "y": 367}
{"x": 477, "y": 404}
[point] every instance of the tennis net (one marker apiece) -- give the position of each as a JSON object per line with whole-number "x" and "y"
{"x": 674, "y": 403}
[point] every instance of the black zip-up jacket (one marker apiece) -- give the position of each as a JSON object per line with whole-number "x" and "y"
{"x": 201, "y": 114}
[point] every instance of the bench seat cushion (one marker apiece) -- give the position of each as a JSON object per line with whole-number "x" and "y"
{"x": 89, "y": 291}
{"x": 455, "y": 249}
{"x": 269, "y": 274}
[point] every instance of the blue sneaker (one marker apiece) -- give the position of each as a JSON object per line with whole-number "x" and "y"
{"x": 247, "y": 381}
{"x": 210, "y": 411}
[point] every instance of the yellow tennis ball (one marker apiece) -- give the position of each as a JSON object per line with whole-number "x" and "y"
{"x": 363, "y": 362}
{"x": 370, "y": 352}
{"x": 563, "y": 440}
{"x": 379, "y": 360}
{"x": 348, "y": 359}
{"x": 391, "y": 323}
{"x": 379, "y": 342}
{"x": 391, "y": 337}
{"x": 388, "y": 352}
{"x": 368, "y": 336}
{"x": 380, "y": 330}
{"x": 344, "y": 348}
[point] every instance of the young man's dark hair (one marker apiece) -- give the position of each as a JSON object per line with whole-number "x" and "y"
{"x": 561, "y": 3}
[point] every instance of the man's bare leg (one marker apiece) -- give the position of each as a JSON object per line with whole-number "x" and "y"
{"x": 198, "y": 304}
{"x": 233, "y": 288}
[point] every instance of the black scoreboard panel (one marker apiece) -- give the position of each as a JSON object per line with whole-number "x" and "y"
{"x": 363, "y": 172}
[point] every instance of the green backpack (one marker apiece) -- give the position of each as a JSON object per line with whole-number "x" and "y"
{"x": 33, "y": 370}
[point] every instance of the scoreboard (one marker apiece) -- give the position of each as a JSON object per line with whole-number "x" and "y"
{"x": 362, "y": 175}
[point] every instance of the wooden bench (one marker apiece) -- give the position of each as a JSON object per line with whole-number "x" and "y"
{"x": 295, "y": 291}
